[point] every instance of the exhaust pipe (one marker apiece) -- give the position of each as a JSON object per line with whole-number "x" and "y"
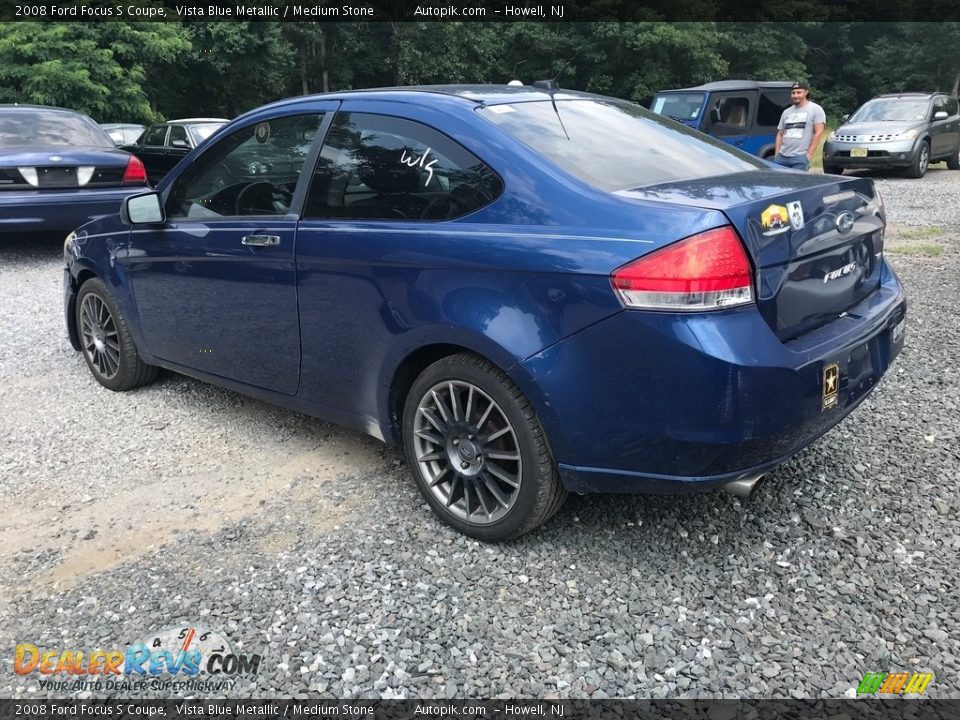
{"x": 743, "y": 487}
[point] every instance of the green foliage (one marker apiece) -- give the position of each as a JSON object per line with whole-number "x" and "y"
{"x": 916, "y": 56}
{"x": 142, "y": 71}
{"x": 230, "y": 67}
{"x": 97, "y": 68}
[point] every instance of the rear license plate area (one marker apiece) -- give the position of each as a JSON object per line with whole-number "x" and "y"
{"x": 57, "y": 177}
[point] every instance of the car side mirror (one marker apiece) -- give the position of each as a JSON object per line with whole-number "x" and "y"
{"x": 844, "y": 118}
{"x": 180, "y": 144}
{"x": 940, "y": 115}
{"x": 143, "y": 209}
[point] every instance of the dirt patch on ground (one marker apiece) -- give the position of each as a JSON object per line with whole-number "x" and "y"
{"x": 90, "y": 534}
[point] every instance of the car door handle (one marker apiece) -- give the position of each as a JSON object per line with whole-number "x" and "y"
{"x": 261, "y": 240}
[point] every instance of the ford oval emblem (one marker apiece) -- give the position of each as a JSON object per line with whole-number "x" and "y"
{"x": 845, "y": 222}
{"x": 55, "y": 158}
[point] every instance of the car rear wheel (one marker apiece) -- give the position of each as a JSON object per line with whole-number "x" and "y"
{"x": 953, "y": 162}
{"x": 477, "y": 450}
{"x": 832, "y": 170}
{"x": 921, "y": 160}
{"x": 105, "y": 340}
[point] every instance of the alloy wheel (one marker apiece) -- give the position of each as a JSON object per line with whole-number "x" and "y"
{"x": 99, "y": 336}
{"x": 467, "y": 451}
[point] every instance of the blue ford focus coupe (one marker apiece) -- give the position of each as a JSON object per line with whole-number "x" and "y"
{"x": 533, "y": 291}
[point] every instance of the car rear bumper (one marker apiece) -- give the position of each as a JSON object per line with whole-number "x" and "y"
{"x": 667, "y": 403}
{"x": 58, "y": 210}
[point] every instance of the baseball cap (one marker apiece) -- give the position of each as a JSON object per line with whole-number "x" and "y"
{"x": 800, "y": 85}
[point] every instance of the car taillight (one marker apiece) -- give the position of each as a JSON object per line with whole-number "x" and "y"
{"x": 707, "y": 271}
{"x": 135, "y": 174}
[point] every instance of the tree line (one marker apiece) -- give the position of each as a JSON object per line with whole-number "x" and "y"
{"x": 142, "y": 72}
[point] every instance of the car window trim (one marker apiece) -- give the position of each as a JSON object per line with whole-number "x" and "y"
{"x": 299, "y": 192}
{"x": 299, "y": 198}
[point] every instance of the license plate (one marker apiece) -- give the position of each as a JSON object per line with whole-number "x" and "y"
{"x": 858, "y": 152}
{"x": 896, "y": 334}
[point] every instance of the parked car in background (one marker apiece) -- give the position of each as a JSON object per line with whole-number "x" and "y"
{"x": 163, "y": 145}
{"x": 533, "y": 291}
{"x": 903, "y": 130}
{"x": 59, "y": 169}
{"x": 122, "y": 133}
{"x": 743, "y": 113}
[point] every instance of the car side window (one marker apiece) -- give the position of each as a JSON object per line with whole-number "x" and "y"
{"x": 252, "y": 171}
{"x": 771, "y": 107}
{"x": 953, "y": 108}
{"x": 178, "y": 132}
{"x": 939, "y": 105}
{"x": 377, "y": 167}
{"x": 155, "y": 136}
{"x": 730, "y": 115}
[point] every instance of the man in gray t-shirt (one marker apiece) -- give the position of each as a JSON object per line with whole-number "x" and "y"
{"x": 799, "y": 131}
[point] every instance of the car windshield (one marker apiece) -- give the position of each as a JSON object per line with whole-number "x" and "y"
{"x": 27, "y": 127}
{"x": 892, "y": 110}
{"x": 682, "y": 106}
{"x": 616, "y": 145}
{"x": 202, "y": 132}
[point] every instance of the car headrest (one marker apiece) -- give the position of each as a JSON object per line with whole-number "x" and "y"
{"x": 381, "y": 169}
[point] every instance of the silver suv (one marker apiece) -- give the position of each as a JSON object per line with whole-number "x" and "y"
{"x": 908, "y": 130}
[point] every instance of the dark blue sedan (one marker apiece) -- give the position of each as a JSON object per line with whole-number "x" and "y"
{"x": 533, "y": 291}
{"x": 58, "y": 170}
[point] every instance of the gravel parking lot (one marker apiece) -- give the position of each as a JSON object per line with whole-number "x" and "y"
{"x": 182, "y": 503}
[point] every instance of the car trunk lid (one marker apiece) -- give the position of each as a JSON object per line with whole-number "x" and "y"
{"x": 61, "y": 168}
{"x": 815, "y": 242}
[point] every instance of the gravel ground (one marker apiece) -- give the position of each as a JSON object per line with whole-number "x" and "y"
{"x": 182, "y": 503}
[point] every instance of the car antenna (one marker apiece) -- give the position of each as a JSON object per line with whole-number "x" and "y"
{"x": 551, "y": 86}
{"x": 516, "y": 81}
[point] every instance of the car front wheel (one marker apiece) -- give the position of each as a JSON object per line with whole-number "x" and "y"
{"x": 477, "y": 450}
{"x": 105, "y": 340}
{"x": 921, "y": 160}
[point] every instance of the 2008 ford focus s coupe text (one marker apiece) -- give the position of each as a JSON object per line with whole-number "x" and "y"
{"x": 533, "y": 291}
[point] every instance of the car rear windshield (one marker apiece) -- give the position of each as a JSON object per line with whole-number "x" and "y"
{"x": 682, "y": 106}
{"x": 892, "y": 110}
{"x": 615, "y": 145}
{"x": 39, "y": 128}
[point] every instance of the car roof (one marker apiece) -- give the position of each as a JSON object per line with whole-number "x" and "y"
{"x": 911, "y": 95}
{"x": 458, "y": 94}
{"x": 737, "y": 85}
{"x": 29, "y": 106}
{"x": 184, "y": 121}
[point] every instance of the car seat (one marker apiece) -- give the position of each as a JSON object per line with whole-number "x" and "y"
{"x": 394, "y": 182}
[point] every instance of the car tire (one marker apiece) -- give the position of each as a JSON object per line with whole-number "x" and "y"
{"x": 832, "y": 170}
{"x": 105, "y": 340}
{"x": 953, "y": 162}
{"x": 477, "y": 450}
{"x": 921, "y": 161}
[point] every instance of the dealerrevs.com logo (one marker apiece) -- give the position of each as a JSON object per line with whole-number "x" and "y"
{"x": 186, "y": 652}
{"x": 898, "y": 683}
